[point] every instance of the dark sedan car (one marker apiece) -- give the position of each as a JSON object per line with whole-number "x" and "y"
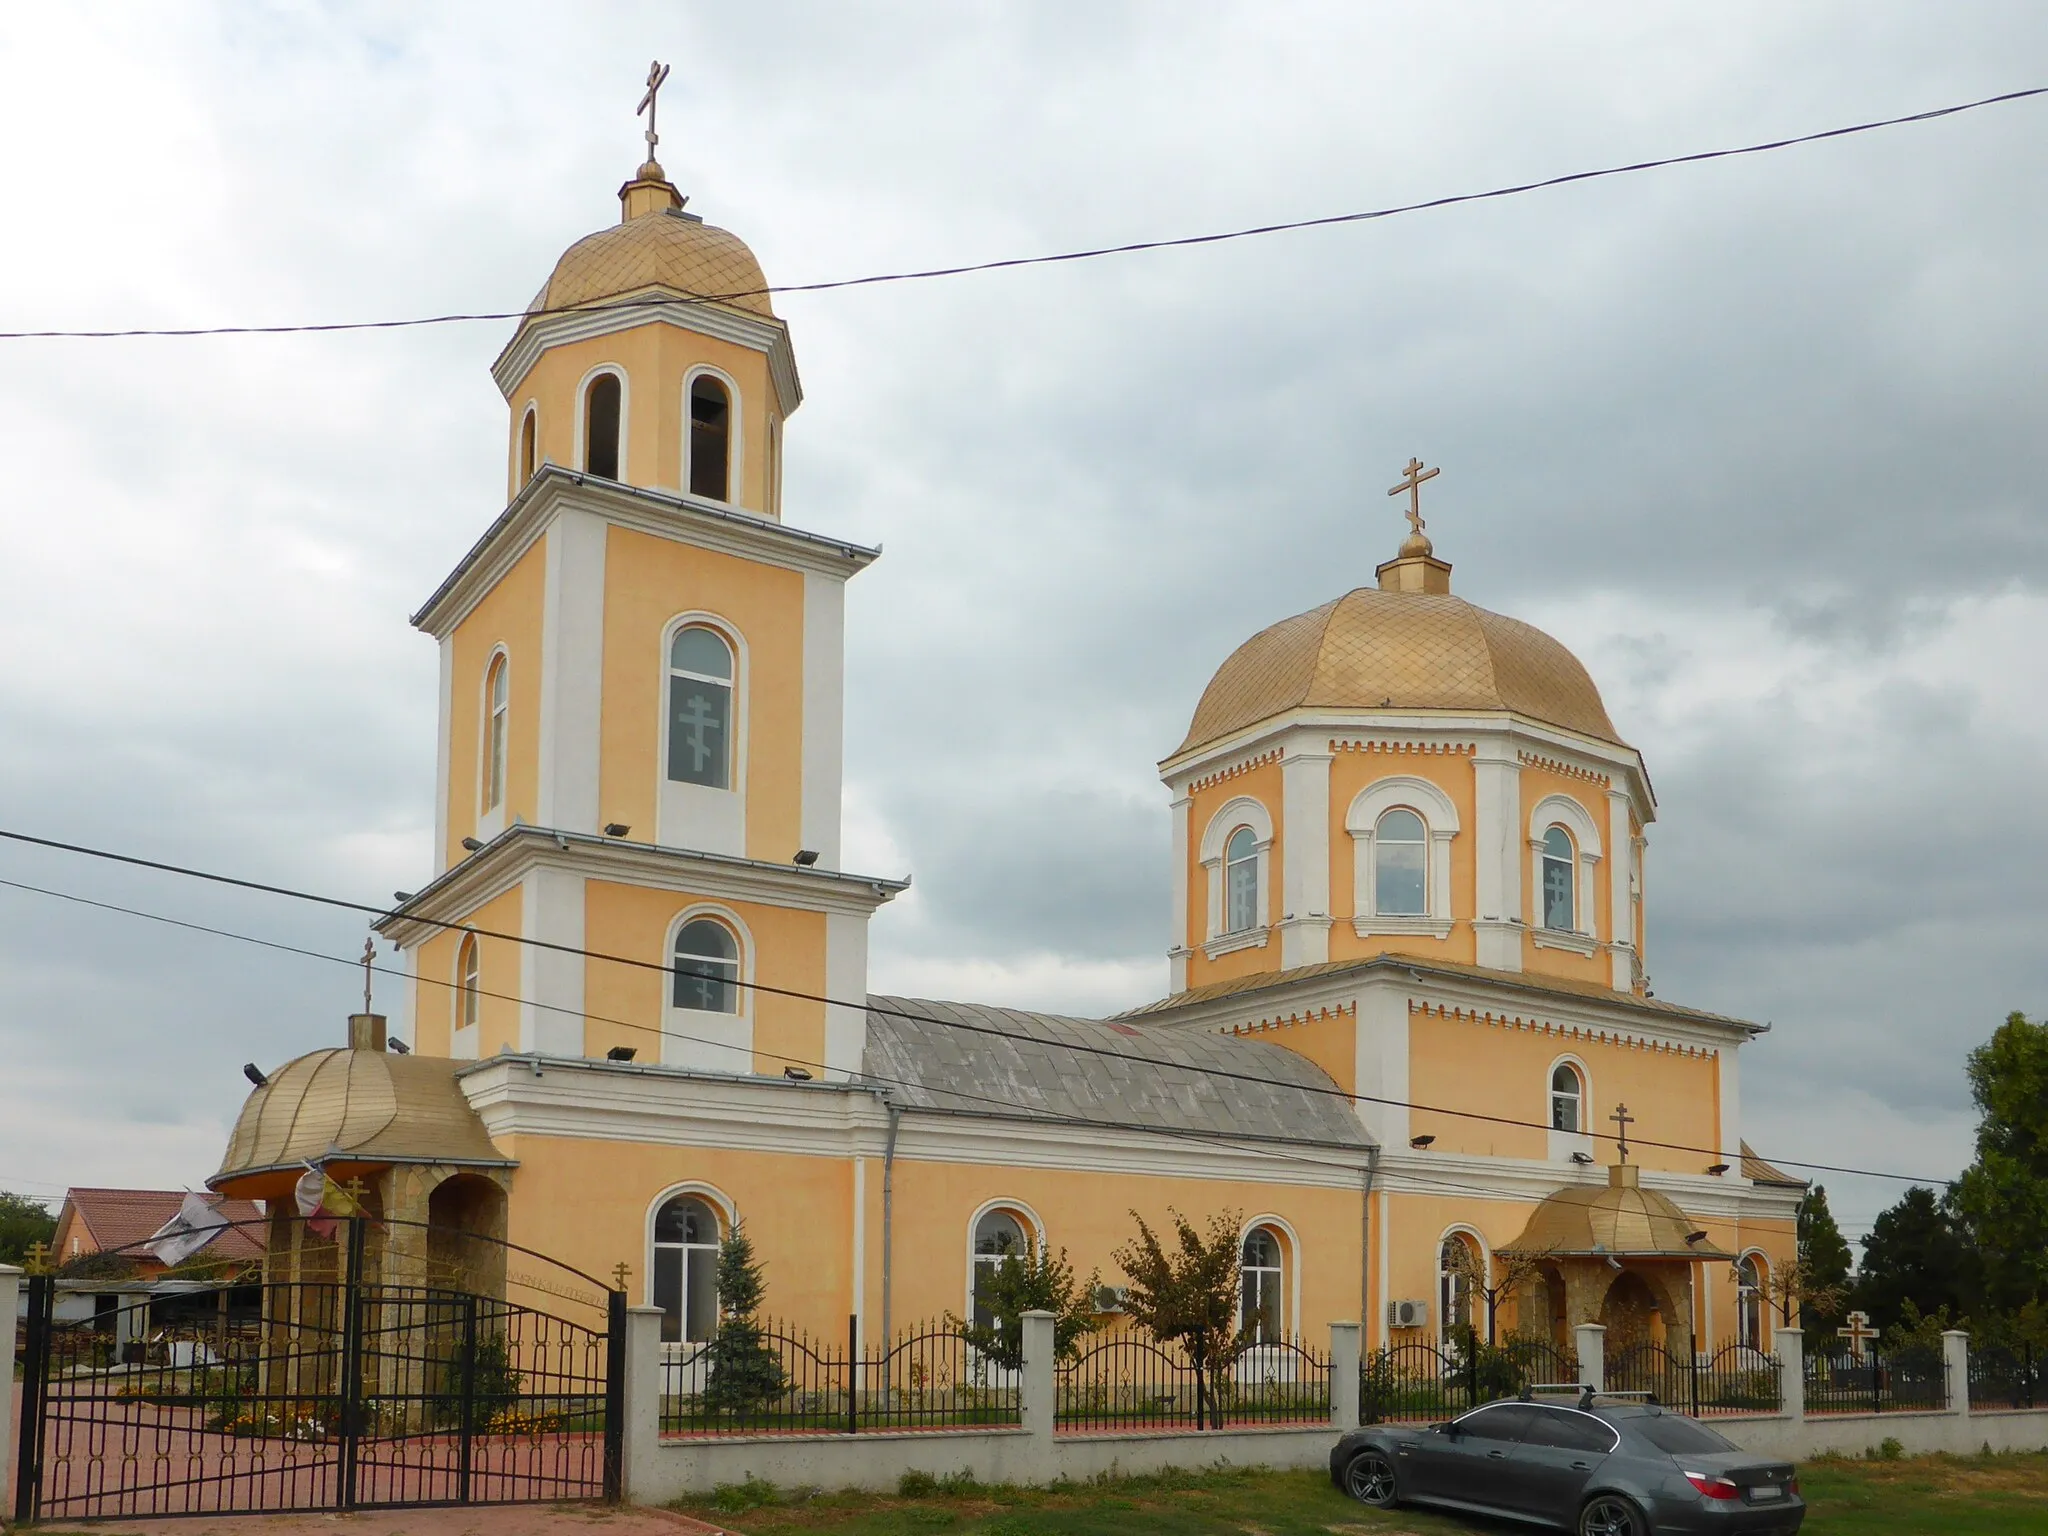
{"x": 1597, "y": 1466}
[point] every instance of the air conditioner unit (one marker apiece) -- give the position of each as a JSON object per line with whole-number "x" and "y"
{"x": 1407, "y": 1314}
{"x": 1112, "y": 1298}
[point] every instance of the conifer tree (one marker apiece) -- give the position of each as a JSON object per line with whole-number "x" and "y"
{"x": 746, "y": 1375}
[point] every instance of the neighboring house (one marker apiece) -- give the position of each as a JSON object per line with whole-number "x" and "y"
{"x": 120, "y": 1220}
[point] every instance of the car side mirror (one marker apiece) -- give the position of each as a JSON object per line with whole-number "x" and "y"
{"x": 1448, "y": 1427}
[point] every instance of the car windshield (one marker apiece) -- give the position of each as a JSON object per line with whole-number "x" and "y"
{"x": 1680, "y": 1436}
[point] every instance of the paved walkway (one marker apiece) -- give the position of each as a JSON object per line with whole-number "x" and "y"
{"x": 476, "y": 1520}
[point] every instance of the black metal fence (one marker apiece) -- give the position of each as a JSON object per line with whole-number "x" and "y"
{"x": 1422, "y": 1382}
{"x": 1131, "y": 1381}
{"x": 1736, "y": 1378}
{"x": 1906, "y": 1379}
{"x": 2002, "y": 1376}
{"x": 782, "y": 1381}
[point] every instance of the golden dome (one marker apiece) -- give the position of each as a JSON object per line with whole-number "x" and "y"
{"x": 1619, "y": 1218}
{"x": 1400, "y": 651}
{"x": 363, "y": 1105}
{"x": 663, "y": 247}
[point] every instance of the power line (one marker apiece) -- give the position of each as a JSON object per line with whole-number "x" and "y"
{"x": 1134, "y": 247}
{"x": 869, "y": 1006}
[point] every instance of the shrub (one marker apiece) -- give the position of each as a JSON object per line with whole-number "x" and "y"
{"x": 738, "y": 1498}
{"x": 916, "y": 1485}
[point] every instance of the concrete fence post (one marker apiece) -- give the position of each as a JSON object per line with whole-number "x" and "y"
{"x": 1038, "y": 1394}
{"x": 1344, "y": 1376}
{"x": 1591, "y": 1339}
{"x": 642, "y": 1430}
{"x": 10, "y": 1312}
{"x": 1791, "y": 1350}
{"x": 1955, "y": 1360}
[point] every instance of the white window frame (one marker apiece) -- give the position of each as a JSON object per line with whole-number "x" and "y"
{"x": 462, "y": 1038}
{"x": 1401, "y": 792}
{"x": 1477, "y": 1303}
{"x": 1563, "y": 811}
{"x": 1023, "y": 1215}
{"x": 490, "y": 815}
{"x": 677, "y": 1357}
{"x": 529, "y": 413}
{"x": 695, "y": 815}
{"x": 579, "y": 457}
{"x": 1761, "y": 1343}
{"x": 735, "y": 442}
{"x": 718, "y": 1042}
{"x": 1271, "y": 1360}
{"x": 1241, "y": 811}
{"x": 1562, "y": 1144}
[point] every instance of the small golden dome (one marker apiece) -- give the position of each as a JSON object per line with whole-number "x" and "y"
{"x": 1619, "y": 1218}
{"x": 662, "y": 247}
{"x": 363, "y": 1105}
{"x": 1373, "y": 649}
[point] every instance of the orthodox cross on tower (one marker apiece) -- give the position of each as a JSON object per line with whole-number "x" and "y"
{"x": 1622, "y": 1118}
{"x": 657, "y": 72}
{"x": 1858, "y": 1333}
{"x": 369, "y": 959}
{"x": 1411, "y": 482}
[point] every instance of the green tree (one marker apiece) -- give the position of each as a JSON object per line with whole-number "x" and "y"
{"x": 1823, "y": 1265}
{"x": 745, "y": 1375}
{"x": 1030, "y": 1282}
{"x": 1917, "y": 1256}
{"x": 23, "y": 1224}
{"x": 2003, "y": 1194}
{"x": 1190, "y": 1295}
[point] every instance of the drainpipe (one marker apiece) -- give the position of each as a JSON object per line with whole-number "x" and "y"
{"x": 888, "y": 1210}
{"x": 1372, "y": 1163}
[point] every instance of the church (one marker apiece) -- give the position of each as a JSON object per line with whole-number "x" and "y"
{"x": 1409, "y": 1038}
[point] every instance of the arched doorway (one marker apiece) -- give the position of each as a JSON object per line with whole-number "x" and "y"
{"x": 1630, "y": 1312}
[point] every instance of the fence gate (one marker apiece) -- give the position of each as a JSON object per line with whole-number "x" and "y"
{"x": 220, "y": 1397}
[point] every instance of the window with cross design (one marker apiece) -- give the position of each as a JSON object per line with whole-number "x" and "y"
{"x": 700, "y": 708}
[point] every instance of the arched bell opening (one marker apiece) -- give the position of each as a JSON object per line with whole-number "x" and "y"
{"x": 465, "y": 1236}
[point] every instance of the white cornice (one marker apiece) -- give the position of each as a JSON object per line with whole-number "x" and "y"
{"x": 535, "y": 335}
{"x": 686, "y": 519}
{"x": 1447, "y": 1175}
{"x": 508, "y": 858}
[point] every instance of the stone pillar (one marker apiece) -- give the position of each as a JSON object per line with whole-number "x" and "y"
{"x": 641, "y": 1437}
{"x": 1955, "y": 1359}
{"x": 1343, "y": 1376}
{"x": 1038, "y": 1391}
{"x": 10, "y": 1310}
{"x": 1591, "y": 1339}
{"x": 1790, "y": 1346}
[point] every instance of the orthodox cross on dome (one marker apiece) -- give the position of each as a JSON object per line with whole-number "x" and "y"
{"x": 657, "y": 72}
{"x": 1622, "y": 1118}
{"x": 1858, "y": 1333}
{"x": 1411, "y": 482}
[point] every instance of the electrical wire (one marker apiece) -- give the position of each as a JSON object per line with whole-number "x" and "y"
{"x": 1217, "y": 237}
{"x": 865, "y": 1005}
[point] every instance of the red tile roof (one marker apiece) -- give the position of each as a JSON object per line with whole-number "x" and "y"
{"x": 120, "y": 1218}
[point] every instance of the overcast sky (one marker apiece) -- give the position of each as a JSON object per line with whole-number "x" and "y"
{"x": 1761, "y": 440}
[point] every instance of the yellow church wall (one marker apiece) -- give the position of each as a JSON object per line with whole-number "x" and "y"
{"x": 655, "y": 359}
{"x": 1352, "y": 772}
{"x": 1490, "y": 1069}
{"x": 1260, "y": 783}
{"x": 497, "y": 979}
{"x": 1331, "y": 1042}
{"x": 648, "y": 582}
{"x": 433, "y": 998}
{"x": 785, "y": 949}
{"x": 508, "y": 615}
{"x": 1413, "y": 1232}
{"x": 1538, "y": 782}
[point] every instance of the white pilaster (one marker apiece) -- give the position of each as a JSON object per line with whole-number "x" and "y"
{"x": 1177, "y": 956}
{"x": 860, "y": 1244}
{"x": 1620, "y": 864}
{"x": 846, "y": 981}
{"x": 824, "y": 722}
{"x": 1497, "y": 854}
{"x": 441, "y": 754}
{"x": 572, "y": 673}
{"x": 1727, "y": 1062}
{"x": 1382, "y": 1063}
{"x": 1305, "y": 860}
{"x": 550, "y": 981}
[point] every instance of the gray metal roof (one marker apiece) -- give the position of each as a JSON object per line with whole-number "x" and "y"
{"x": 919, "y": 1050}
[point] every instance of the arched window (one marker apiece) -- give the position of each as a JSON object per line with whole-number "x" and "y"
{"x": 1749, "y": 1302}
{"x": 1259, "y": 1274}
{"x": 498, "y": 694}
{"x": 528, "y": 448}
{"x": 601, "y": 426}
{"x": 700, "y": 708}
{"x": 710, "y": 439}
{"x": 686, "y": 1269}
{"x": 1560, "y": 870}
{"x": 707, "y": 967}
{"x": 1401, "y": 865}
{"x": 1241, "y": 881}
{"x": 999, "y": 1235}
{"x": 1567, "y": 1099}
{"x": 467, "y": 970}
{"x": 1458, "y": 1272}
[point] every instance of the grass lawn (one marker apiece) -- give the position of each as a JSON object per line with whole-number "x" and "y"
{"x": 1935, "y": 1495}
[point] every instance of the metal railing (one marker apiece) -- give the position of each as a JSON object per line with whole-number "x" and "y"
{"x": 2002, "y": 1376}
{"x": 1131, "y": 1381}
{"x": 1909, "y": 1379}
{"x": 1735, "y": 1378}
{"x": 1422, "y": 1382}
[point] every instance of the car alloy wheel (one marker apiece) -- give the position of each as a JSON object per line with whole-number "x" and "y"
{"x": 1609, "y": 1514}
{"x": 1370, "y": 1479}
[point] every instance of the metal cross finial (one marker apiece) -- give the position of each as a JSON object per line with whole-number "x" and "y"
{"x": 619, "y": 1272}
{"x": 1624, "y": 1119}
{"x": 657, "y": 72}
{"x": 369, "y": 959}
{"x": 1411, "y": 482}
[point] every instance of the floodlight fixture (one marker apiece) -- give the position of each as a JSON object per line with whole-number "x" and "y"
{"x": 1422, "y": 1143}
